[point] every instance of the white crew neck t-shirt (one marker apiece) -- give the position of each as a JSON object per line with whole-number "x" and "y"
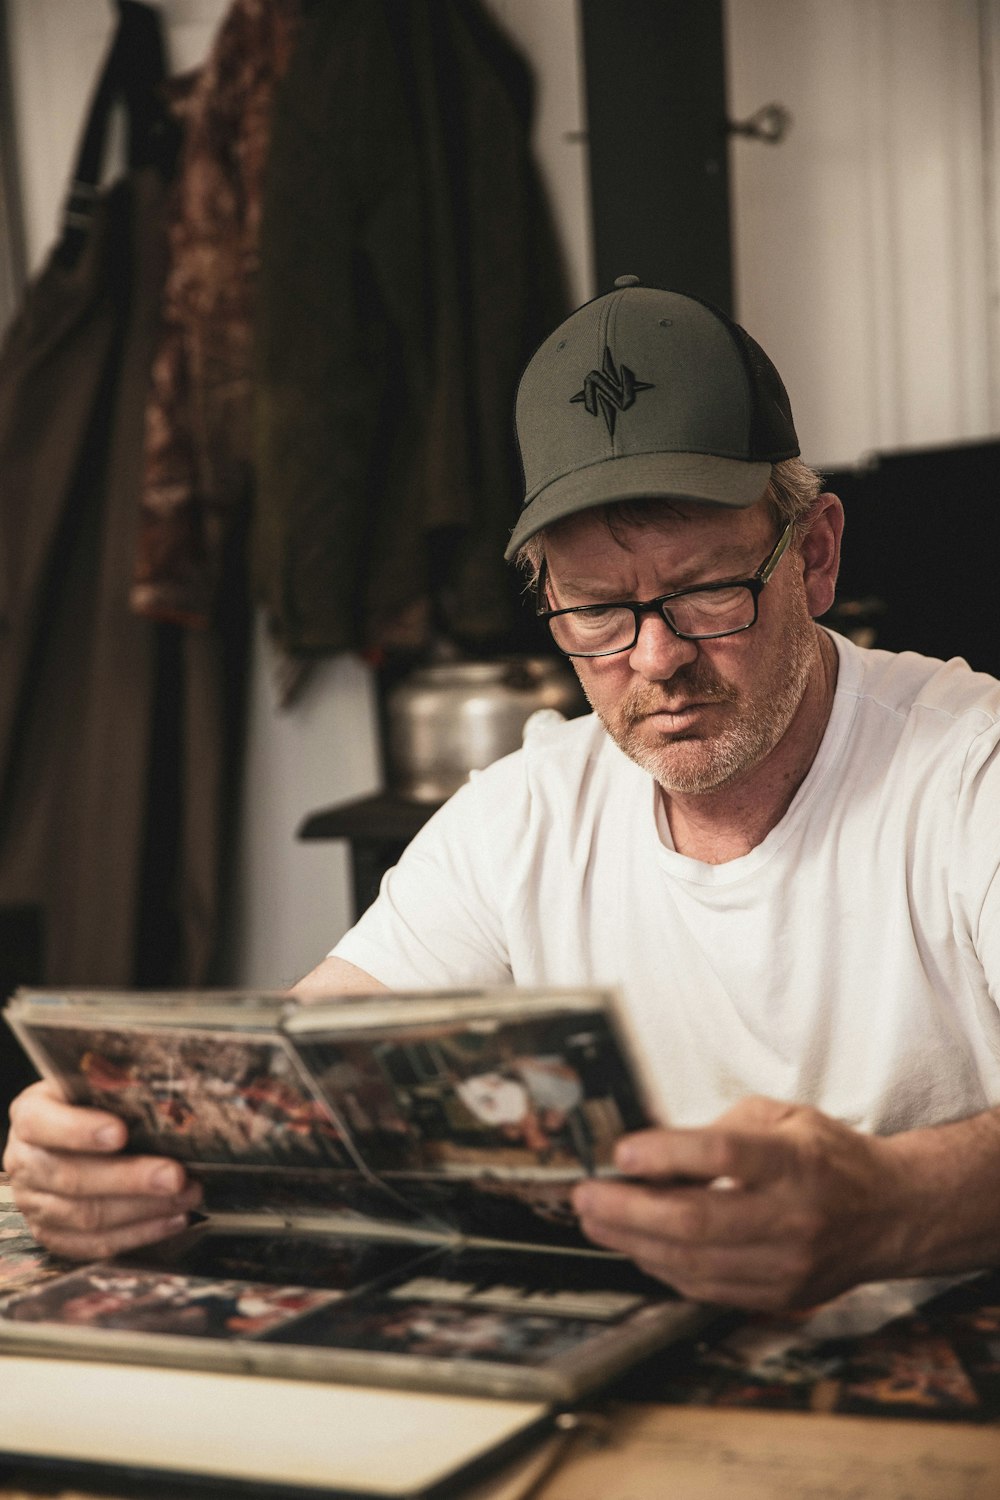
{"x": 851, "y": 960}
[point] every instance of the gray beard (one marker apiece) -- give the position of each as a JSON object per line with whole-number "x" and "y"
{"x": 724, "y": 757}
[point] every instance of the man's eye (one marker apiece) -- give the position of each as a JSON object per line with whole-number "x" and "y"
{"x": 598, "y": 621}
{"x": 597, "y": 613}
{"x": 715, "y": 601}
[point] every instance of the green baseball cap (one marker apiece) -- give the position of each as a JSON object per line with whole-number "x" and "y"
{"x": 644, "y": 392}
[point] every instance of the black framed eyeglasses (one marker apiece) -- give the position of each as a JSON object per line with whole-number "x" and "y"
{"x": 702, "y": 612}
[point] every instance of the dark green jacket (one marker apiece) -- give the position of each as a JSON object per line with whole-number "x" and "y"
{"x": 408, "y": 269}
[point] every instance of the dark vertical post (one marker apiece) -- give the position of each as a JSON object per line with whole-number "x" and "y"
{"x": 656, "y": 106}
{"x": 12, "y": 253}
{"x": 22, "y": 941}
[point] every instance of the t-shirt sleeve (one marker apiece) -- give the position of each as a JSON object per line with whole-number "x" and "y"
{"x": 975, "y": 853}
{"x": 989, "y": 938}
{"x": 437, "y": 921}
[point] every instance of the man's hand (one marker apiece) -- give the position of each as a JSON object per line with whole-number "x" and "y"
{"x": 772, "y": 1206}
{"x": 79, "y": 1197}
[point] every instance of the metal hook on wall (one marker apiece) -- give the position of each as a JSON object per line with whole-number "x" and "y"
{"x": 770, "y": 123}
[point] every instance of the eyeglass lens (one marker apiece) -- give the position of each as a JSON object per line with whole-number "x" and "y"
{"x": 603, "y": 628}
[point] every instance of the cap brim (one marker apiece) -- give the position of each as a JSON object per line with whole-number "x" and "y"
{"x": 699, "y": 477}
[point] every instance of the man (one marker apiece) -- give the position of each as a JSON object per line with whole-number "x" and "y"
{"x": 790, "y": 872}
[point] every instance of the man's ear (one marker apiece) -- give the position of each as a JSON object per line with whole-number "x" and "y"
{"x": 820, "y": 550}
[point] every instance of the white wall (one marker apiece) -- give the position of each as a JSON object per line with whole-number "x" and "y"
{"x": 548, "y": 34}
{"x": 866, "y": 242}
{"x": 292, "y": 898}
{"x": 56, "y": 48}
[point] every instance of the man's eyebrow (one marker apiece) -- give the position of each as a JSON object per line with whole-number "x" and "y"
{"x": 593, "y": 588}
{"x": 728, "y": 562}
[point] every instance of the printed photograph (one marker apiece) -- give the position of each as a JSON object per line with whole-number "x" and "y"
{"x": 199, "y": 1095}
{"x": 253, "y": 1188}
{"x": 515, "y": 1209}
{"x": 118, "y": 1297}
{"x": 445, "y": 1331}
{"x": 23, "y": 1262}
{"x": 976, "y": 1336}
{"x": 549, "y": 1094}
{"x": 601, "y": 1288}
{"x": 915, "y": 1374}
{"x": 341, "y": 1263}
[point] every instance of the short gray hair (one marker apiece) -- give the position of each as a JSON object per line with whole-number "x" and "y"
{"x": 792, "y": 491}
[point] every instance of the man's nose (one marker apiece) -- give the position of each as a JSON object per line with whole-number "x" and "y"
{"x": 659, "y": 653}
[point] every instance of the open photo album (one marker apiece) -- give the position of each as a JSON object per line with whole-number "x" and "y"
{"x": 387, "y": 1188}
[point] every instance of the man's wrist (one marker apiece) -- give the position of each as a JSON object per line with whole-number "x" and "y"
{"x": 941, "y": 1205}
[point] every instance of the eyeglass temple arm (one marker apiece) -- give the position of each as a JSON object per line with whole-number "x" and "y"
{"x": 777, "y": 554}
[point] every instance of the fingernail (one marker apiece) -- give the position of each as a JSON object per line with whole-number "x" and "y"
{"x": 178, "y": 1222}
{"x": 166, "y": 1180}
{"x": 626, "y": 1157}
{"x": 108, "y": 1135}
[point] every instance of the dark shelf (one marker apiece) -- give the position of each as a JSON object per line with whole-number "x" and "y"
{"x": 384, "y": 816}
{"x": 377, "y": 828}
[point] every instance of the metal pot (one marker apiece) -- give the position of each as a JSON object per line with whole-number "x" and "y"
{"x": 446, "y": 720}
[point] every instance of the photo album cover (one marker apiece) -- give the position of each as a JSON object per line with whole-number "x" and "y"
{"x": 387, "y": 1186}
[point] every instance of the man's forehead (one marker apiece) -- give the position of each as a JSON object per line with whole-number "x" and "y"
{"x": 635, "y": 525}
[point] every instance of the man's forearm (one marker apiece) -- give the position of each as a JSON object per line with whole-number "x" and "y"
{"x": 334, "y": 978}
{"x": 947, "y": 1188}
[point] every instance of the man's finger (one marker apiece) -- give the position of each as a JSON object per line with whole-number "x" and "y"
{"x": 99, "y": 1244}
{"x": 95, "y": 1216}
{"x": 705, "y": 1155}
{"x": 683, "y": 1263}
{"x": 765, "y": 1272}
{"x": 42, "y": 1117}
{"x": 75, "y": 1175}
{"x": 692, "y": 1215}
{"x": 763, "y": 1294}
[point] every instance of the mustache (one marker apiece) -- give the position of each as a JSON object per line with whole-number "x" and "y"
{"x": 689, "y": 685}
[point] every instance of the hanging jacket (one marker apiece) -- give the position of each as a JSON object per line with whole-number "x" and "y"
{"x": 197, "y": 470}
{"x": 407, "y": 269}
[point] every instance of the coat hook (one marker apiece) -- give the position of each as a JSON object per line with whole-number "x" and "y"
{"x": 770, "y": 123}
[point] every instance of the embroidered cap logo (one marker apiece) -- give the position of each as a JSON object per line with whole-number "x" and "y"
{"x": 610, "y": 390}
